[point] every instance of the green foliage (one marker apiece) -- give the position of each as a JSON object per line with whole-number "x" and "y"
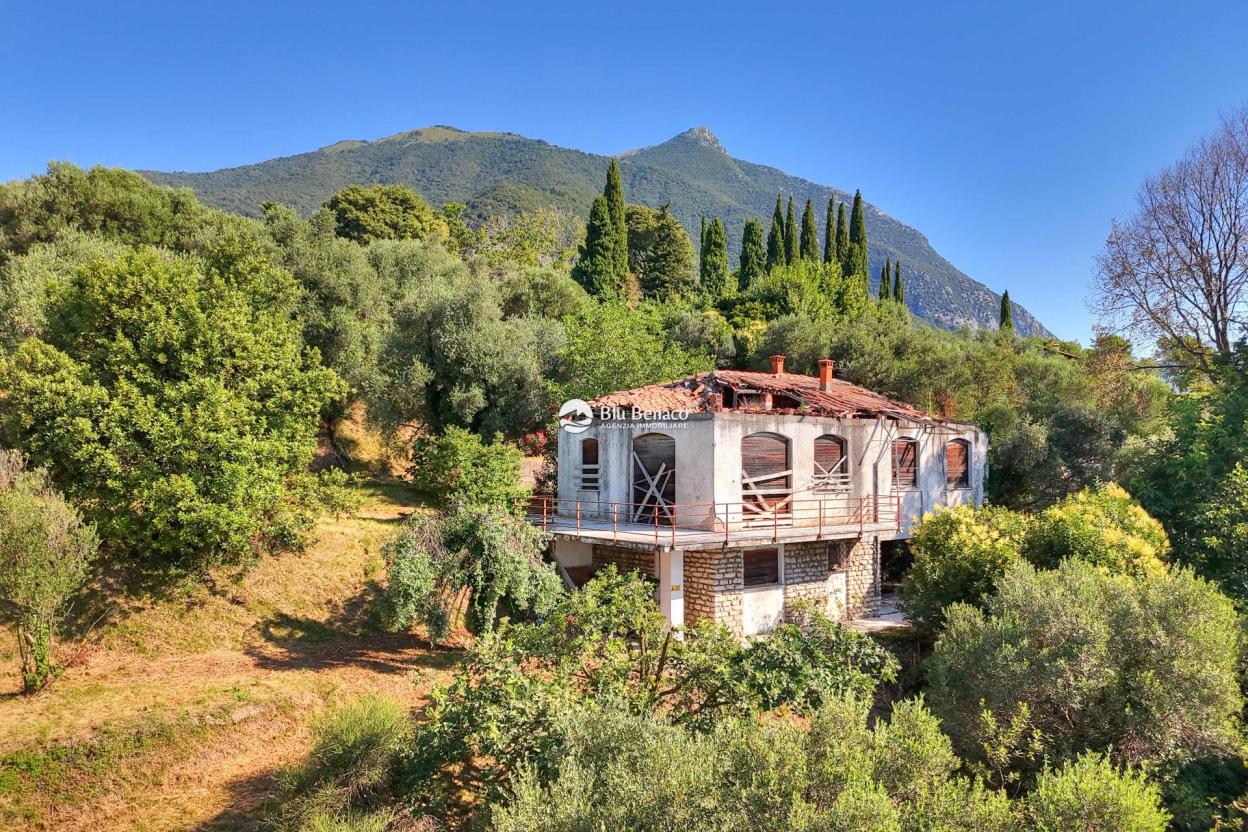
{"x": 346, "y": 773}
{"x": 614, "y": 194}
{"x": 384, "y": 212}
{"x": 1102, "y": 526}
{"x": 829, "y": 234}
{"x": 808, "y": 244}
{"x": 541, "y": 292}
{"x": 458, "y": 467}
{"x": 790, "y": 234}
{"x": 855, "y": 262}
{"x": 1007, "y": 313}
{"x": 842, "y": 236}
{"x": 45, "y": 553}
{"x": 595, "y": 268}
{"x": 899, "y": 286}
{"x": 660, "y": 255}
{"x": 484, "y": 549}
{"x": 173, "y": 400}
{"x": 886, "y": 281}
{"x": 1091, "y": 795}
{"x": 753, "y": 255}
{"x": 716, "y": 281}
{"x": 959, "y": 555}
{"x": 775, "y": 238}
{"x": 1143, "y": 668}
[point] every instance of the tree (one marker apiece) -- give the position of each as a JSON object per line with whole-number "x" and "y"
{"x": 829, "y": 234}
{"x": 458, "y": 467}
{"x": 384, "y": 212}
{"x": 753, "y": 255}
{"x": 1100, "y": 525}
{"x": 174, "y": 401}
{"x": 716, "y": 279}
{"x": 842, "y": 237}
{"x": 899, "y": 286}
{"x": 1177, "y": 269}
{"x": 45, "y": 553}
{"x": 886, "y": 280}
{"x": 809, "y": 244}
{"x": 775, "y": 238}
{"x": 614, "y": 193}
{"x": 856, "y": 261}
{"x": 790, "y": 234}
{"x": 660, "y": 254}
{"x": 595, "y": 269}
{"x": 1007, "y": 313}
{"x": 1091, "y": 794}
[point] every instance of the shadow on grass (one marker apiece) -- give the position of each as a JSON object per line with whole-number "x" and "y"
{"x": 249, "y": 802}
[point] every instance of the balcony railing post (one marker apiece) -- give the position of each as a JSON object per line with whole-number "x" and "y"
{"x": 615, "y": 522}
{"x": 578, "y": 516}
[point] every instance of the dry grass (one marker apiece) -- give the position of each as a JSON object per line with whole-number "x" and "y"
{"x": 180, "y": 710}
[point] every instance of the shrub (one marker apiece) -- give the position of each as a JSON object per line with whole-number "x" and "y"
{"x": 351, "y": 763}
{"x": 1091, "y": 795}
{"x": 1103, "y": 526}
{"x": 494, "y": 555}
{"x": 457, "y": 467}
{"x": 959, "y": 554}
{"x": 45, "y": 552}
{"x": 1143, "y": 667}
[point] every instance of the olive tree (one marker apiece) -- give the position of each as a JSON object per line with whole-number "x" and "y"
{"x": 45, "y": 552}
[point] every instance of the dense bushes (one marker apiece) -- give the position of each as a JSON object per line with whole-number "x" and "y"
{"x": 1102, "y": 526}
{"x": 457, "y": 467}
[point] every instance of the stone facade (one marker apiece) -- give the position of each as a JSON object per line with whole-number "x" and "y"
{"x": 625, "y": 560}
{"x": 805, "y": 576}
{"x": 862, "y": 576}
{"x": 713, "y": 587}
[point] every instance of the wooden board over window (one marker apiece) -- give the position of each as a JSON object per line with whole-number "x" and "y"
{"x": 766, "y": 479}
{"x": 762, "y": 567}
{"x": 905, "y": 464}
{"x": 589, "y": 465}
{"x": 654, "y": 478}
{"x": 957, "y": 464}
{"x": 831, "y": 472}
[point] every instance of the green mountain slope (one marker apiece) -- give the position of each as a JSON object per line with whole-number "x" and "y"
{"x": 499, "y": 172}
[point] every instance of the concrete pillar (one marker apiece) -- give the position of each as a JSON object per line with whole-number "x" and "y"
{"x": 672, "y": 587}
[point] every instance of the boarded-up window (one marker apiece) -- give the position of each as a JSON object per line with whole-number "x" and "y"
{"x": 766, "y": 480}
{"x": 589, "y": 465}
{"x": 958, "y": 464}
{"x": 838, "y": 555}
{"x": 831, "y": 472}
{"x": 762, "y": 567}
{"x": 654, "y": 478}
{"x": 905, "y": 464}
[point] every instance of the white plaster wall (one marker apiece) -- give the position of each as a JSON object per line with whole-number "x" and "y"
{"x": 762, "y": 609}
{"x": 573, "y": 553}
{"x": 837, "y": 596}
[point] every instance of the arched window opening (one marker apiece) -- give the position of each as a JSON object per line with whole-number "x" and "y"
{"x": 654, "y": 479}
{"x": 905, "y": 464}
{"x": 590, "y": 474}
{"x": 958, "y": 464}
{"x": 766, "y": 478}
{"x": 831, "y": 474}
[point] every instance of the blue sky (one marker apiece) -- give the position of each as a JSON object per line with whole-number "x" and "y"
{"x": 1009, "y": 133}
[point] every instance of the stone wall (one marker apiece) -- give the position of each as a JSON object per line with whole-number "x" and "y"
{"x": 862, "y": 575}
{"x": 805, "y": 576}
{"x": 626, "y": 560}
{"x": 713, "y": 587}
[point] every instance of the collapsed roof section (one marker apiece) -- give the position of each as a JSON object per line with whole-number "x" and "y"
{"x": 776, "y": 392}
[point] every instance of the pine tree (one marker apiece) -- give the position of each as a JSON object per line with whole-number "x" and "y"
{"x": 899, "y": 286}
{"x": 1007, "y": 312}
{"x": 595, "y": 270}
{"x": 857, "y": 238}
{"x": 829, "y": 234}
{"x": 790, "y": 234}
{"x": 775, "y": 237}
{"x": 753, "y": 255}
{"x": 809, "y": 243}
{"x": 715, "y": 274}
{"x": 614, "y": 192}
{"x": 842, "y": 237}
{"x": 886, "y": 280}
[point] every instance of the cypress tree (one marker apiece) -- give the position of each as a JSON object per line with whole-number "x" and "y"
{"x": 809, "y": 243}
{"x": 702, "y": 238}
{"x": 595, "y": 270}
{"x": 753, "y": 254}
{"x": 715, "y": 272}
{"x": 790, "y": 234}
{"x": 775, "y": 237}
{"x": 1007, "y": 312}
{"x": 899, "y": 286}
{"x": 842, "y": 237}
{"x": 886, "y": 280}
{"x": 829, "y": 234}
{"x": 614, "y": 192}
{"x": 857, "y": 238}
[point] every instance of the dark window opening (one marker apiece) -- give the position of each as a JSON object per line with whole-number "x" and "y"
{"x": 905, "y": 464}
{"x": 838, "y": 555}
{"x": 762, "y": 567}
{"x": 590, "y": 471}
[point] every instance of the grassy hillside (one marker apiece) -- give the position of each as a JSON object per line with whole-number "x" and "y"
{"x": 502, "y": 172}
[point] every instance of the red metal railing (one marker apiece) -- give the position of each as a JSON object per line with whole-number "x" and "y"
{"x": 825, "y": 514}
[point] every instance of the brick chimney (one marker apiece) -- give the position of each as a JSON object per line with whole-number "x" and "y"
{"x": 777, "y": 365}
{"x": 826, "y": 374}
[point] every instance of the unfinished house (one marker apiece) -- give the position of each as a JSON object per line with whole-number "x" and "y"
{"x": 741, "y": 493}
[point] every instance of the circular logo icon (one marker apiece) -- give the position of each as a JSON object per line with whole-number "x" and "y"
{"x": 575, "y": 416}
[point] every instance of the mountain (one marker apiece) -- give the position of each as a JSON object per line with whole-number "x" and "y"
{"x": 501, "y": 172}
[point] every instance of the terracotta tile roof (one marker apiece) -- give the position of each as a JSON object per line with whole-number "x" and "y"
{"x": 694, "y": 393}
